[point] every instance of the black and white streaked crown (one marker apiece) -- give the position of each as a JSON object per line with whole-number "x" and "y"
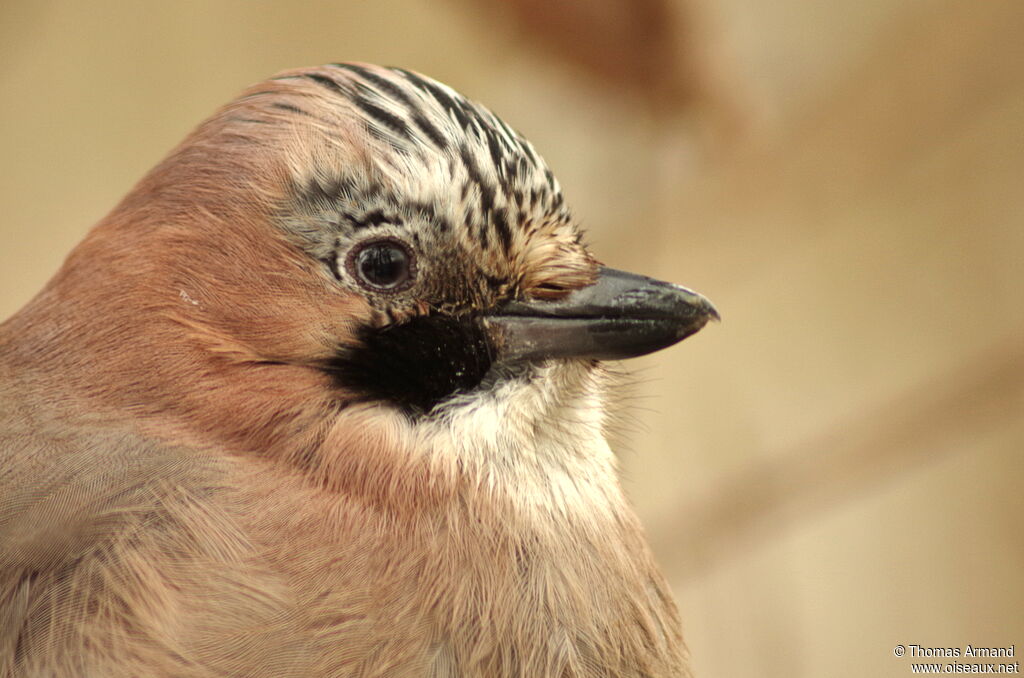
{"x": 451, "y": 159}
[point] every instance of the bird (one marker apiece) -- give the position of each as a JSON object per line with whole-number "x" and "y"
{"x": 327, "y": 394}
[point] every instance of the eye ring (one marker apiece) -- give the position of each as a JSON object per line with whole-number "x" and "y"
{"x": 382, "y": 265}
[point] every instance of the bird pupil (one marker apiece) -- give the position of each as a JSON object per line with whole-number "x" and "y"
{"x": 383, "y": 265}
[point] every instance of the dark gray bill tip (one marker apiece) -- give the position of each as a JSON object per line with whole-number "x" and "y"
{"x": 622, "y": 315}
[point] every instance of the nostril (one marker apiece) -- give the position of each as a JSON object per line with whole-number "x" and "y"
{"x": 548, "y": 291}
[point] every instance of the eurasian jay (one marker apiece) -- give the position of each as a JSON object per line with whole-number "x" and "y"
{"x": 324, "y": 396}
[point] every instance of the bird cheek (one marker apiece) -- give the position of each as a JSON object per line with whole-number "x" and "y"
{"x": 301, "y": 326}
{"x": 345, "y": 317}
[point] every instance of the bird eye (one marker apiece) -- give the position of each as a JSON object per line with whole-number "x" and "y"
{"x": 382, "y": 265}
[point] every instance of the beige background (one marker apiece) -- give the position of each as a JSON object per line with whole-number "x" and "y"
{"x": 836, "y": 468}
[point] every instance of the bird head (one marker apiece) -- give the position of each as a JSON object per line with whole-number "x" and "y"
{"x": 367, "y": 233}
{"x": 334, "y": 368}
{"x": 455, "y": 234}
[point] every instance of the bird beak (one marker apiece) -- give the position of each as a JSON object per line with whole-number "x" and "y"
{"x": 621, "y": 315}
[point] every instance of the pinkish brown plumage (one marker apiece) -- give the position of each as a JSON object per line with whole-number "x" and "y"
{"x": 323, "y": 397}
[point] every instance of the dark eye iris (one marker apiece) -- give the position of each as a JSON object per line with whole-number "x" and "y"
{"x": 384, "y": 265}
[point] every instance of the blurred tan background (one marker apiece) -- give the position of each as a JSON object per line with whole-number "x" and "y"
{"x": 835, "y": 469}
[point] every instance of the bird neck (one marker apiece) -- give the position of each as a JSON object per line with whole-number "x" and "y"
{"x": 514, "y": 490}
{"x": 538, "y": 441}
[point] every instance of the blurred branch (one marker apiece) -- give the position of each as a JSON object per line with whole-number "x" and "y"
{"x": 646, "y": 48}
{"x": 878, "y": 447}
